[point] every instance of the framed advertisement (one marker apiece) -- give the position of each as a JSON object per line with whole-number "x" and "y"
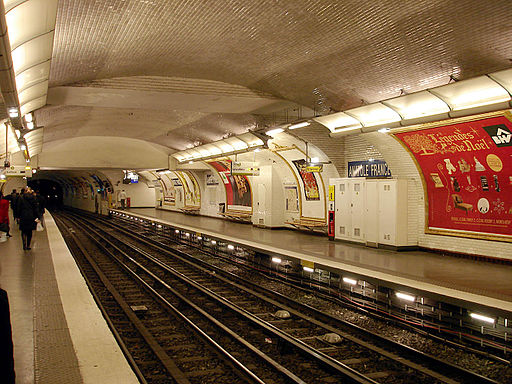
{"x": 308, "y": 178}
{"x": 238, "y": 188}
{"x": 466, "y": 175}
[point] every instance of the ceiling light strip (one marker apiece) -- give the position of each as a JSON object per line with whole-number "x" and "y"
{"x": 31, "y": 39}
{"x": 480, "y": 94}
{"x": 232, "y": 145}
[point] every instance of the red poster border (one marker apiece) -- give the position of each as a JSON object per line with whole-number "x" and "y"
{"x": 448, "y": 232}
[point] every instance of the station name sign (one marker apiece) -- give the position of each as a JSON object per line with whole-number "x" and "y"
{"x": 368, "y": 168}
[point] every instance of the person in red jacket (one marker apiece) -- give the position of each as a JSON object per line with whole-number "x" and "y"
{"x": 4, "y": 215}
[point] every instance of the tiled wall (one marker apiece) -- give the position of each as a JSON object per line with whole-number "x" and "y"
{"x": 376, "y": 145}
{"x": 402, "y": 165}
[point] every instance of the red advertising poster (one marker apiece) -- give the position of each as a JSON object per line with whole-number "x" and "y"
{"x": 468, "y": 175}
{"x": 238, "y": 189}
{"x": 308, "y": 178}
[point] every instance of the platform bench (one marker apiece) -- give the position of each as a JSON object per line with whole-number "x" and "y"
{"x": 190, "y": 210}
{"x": 237, "y": 216}
{"x": 309, "y": 224}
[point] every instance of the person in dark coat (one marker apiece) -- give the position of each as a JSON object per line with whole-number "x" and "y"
{"x": 6, "y": 346}
{"x": 28, "y": 213}
{"x": 13, "y": 197}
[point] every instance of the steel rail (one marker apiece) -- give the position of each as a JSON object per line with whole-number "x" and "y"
{"x": 350, "y": 374}
{"x": 468, "y": 375}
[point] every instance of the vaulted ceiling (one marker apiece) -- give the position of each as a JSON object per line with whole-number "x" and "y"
{"x": 178, "y": 73}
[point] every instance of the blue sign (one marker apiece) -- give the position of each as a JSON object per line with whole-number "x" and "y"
{"x": 368, "y": 168}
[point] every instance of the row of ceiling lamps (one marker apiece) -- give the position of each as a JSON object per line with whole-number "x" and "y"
{"x": 466, "y": 97}
{"x": 250, "y": 141}
{"x": 480, "y": 94}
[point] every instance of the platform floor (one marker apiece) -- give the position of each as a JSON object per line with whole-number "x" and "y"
{"x": 479, "y": 282}
{"x": 59, "y": 334}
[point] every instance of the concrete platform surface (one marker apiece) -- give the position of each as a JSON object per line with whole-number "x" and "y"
{"x": 59, "y": 333}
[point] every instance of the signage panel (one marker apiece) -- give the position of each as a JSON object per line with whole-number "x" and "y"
{"x": 314, "y": 168}
{"x": 17, "y": 170}
{"x": 244, "y": 169}
{"x": 367, "y": 168}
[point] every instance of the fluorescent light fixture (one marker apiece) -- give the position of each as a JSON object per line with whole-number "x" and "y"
{"x": 503, "y": 78}
{"x": 231, "y": 247}
{"x": 177, "y": 231}
{"x": 472, "y": 93}
{"x": 384, "y": 130}
{"x": 28, "y": 118}
{"x": 187, "y": 234}
{"x": 13, "y": 112}
{"x": 213, "y": 150}
{"x": 405, "y": 296}
{"x": 214, "y": 242}
{"x": 308, "y": 269}
{"x": 374, "y": 114}
{"x": 418, "y": 105}
{"x": 299, "y": 125}
{"x": 237, "y": 144}
{"x": 339, "y": 122}
{"x": 251, "y": 139}
{"x": 159, "y": 225}
{"x": 489, "y": 320}
{"x": 225, "y": 147}
{"x": 274, "y": 132}
{"x": 276, "y": 260}
{"x": 199, "y": 238}
{"x": 349, "y": 281}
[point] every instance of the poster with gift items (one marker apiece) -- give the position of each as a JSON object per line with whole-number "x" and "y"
{"x": 467, "y": 174}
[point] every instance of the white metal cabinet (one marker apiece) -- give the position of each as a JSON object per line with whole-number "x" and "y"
{"x": 372, "y": 213}
{"x": 349, "y": 204}
{"x": 393, "y": 212}
{"x": 357, "y": 209}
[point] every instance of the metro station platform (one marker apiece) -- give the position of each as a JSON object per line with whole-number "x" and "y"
{"x": 462, "y": 281}
{"x": 59, "y": 334}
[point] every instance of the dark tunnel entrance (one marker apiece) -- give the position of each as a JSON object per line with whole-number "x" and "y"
{"x": 51, "y": 190}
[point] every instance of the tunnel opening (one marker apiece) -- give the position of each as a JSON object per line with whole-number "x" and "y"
{"x": 50, "y": 190}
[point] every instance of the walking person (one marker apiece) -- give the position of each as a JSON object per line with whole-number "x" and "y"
{"x": 122, "y": 199}
{"x": 28, "y": 213}
{"x": 4, "y": 215}
{"x": 13, "y": 197}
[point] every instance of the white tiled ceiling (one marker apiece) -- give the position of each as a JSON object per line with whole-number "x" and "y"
{"x": 327, "y": 55}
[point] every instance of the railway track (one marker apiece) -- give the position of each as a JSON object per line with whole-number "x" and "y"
{"x": 323, "y": 348}
{"x": 259, "y": 362}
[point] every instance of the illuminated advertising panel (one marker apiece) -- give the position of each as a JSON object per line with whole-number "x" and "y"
{"x": 467, "y": 175}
